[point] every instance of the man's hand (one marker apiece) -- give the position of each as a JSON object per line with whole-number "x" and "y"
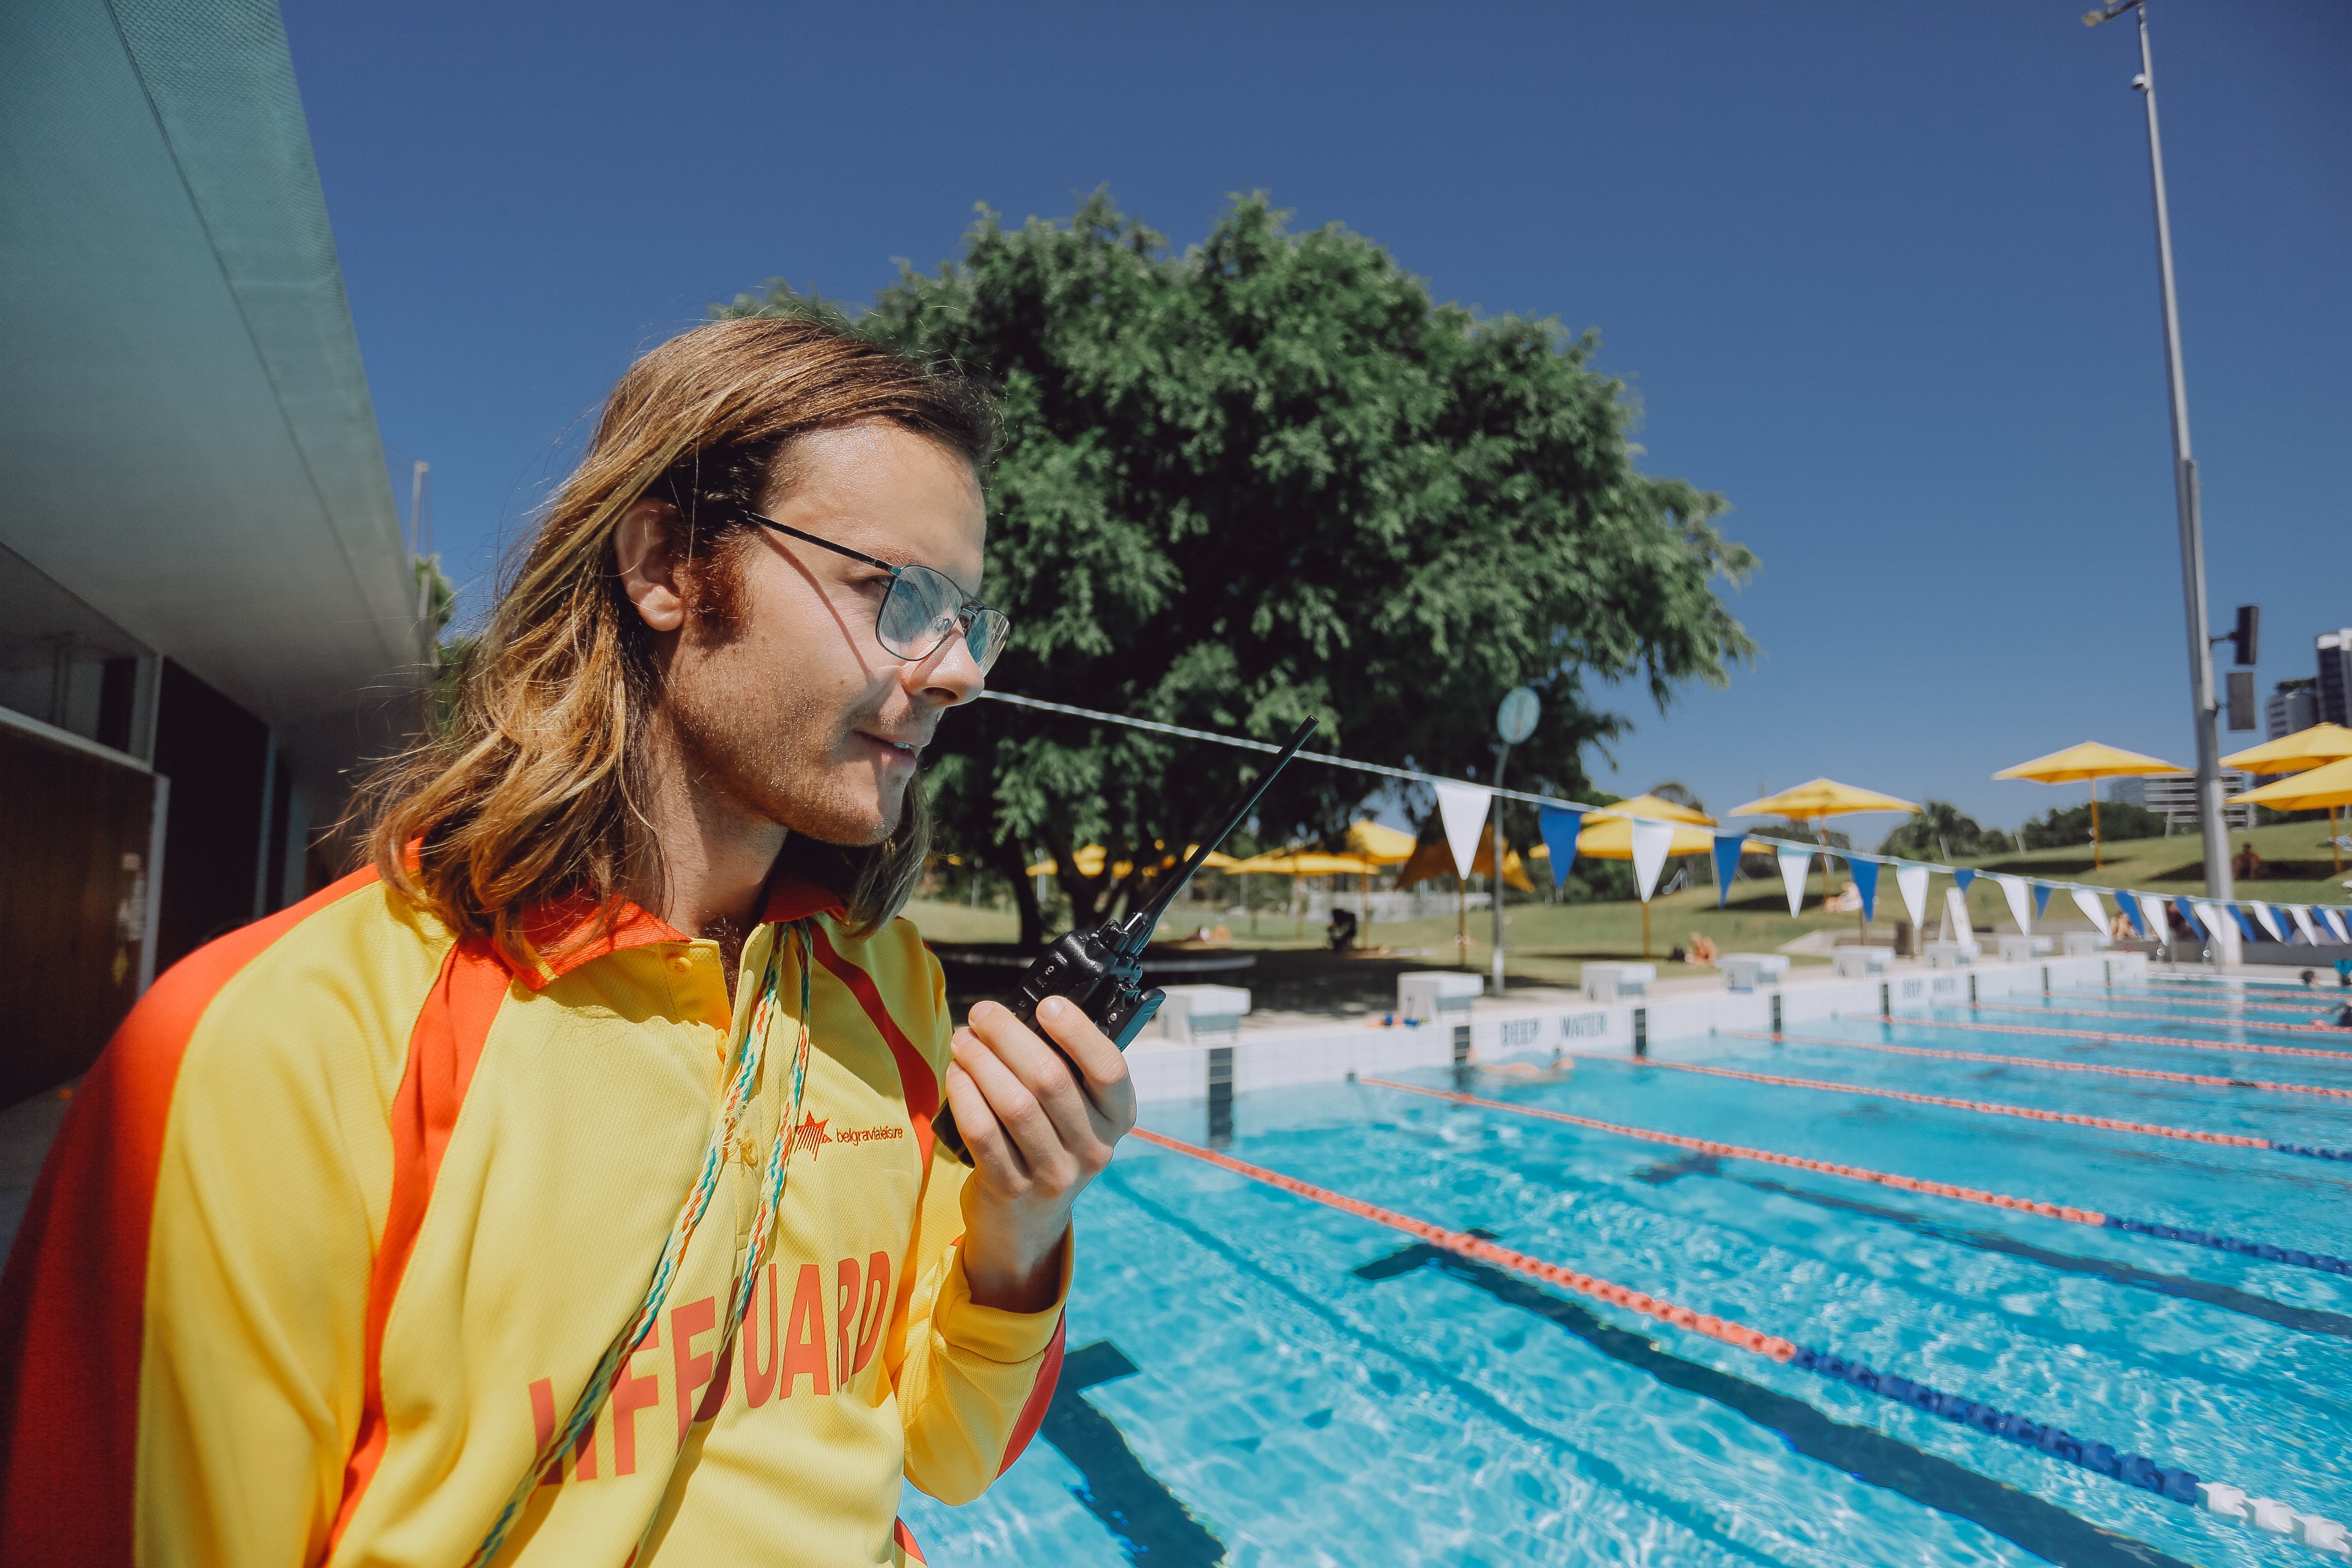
{"x": 1038, "y": 1133}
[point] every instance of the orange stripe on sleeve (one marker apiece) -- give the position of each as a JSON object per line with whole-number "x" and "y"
{"x": 443, "y": 1051}
{"x": 1041, "y": 1398}
{"x": 73, "y": 1301}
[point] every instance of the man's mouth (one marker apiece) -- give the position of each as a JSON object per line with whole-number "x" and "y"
{"x": 892, "y": 748}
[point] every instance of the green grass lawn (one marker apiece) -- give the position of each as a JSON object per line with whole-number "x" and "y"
{"x": 1549, "y": 943}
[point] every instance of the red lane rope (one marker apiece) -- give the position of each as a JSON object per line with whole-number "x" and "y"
{"x": 1983, "y": 1106}
{"x": 1468, "y": 1245}
{"x": 2213, "y": 1080}
{"x": 1769, "y": 1157}
{"x": 2203, "y": 1023}
{"x": 2344, "y": 1057}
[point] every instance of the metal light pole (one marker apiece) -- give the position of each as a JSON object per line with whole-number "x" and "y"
{"x": 2219, "y": 883}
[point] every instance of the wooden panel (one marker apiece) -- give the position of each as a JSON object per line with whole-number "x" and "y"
{"x": 73, "y": 837}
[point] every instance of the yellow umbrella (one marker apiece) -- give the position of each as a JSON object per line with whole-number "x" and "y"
{"x": 1436, "y": 860}
{"x": 1382, "y": 846}
{"x": 2309, "y": 748}
{"x": 2294, "y": 753}
{"x": 2330, "y": 786}
{"x": 1303, "y": 863}
{"x": 1088, "y": 859}
{"x": 1608, "y": 836}
{"x": 2090, "y": 761}
{"x": 1822, "y": 798}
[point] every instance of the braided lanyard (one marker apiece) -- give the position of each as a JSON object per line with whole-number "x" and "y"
{"x": 740, "y": 1089}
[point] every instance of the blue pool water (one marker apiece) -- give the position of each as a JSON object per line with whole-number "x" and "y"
{"x": 1260, "y": 1379}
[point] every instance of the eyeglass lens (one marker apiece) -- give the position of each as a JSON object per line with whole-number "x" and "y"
{"x": 924, "y": 608}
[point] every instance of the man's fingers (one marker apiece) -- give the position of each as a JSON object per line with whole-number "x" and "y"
{"x": 1071, "y": 1101}
{"x": 1019, "y": 1110}
{"x": 1092, "y": 1051}
{"x": 993, "y": 1153}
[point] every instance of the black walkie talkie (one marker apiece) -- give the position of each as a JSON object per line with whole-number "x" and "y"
{"x": 1102, "y": 970}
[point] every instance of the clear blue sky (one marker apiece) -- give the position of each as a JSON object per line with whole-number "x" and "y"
{"x": 1880, "y": 273}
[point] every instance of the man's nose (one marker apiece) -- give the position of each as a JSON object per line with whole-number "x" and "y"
{"x": 949, "y": 676}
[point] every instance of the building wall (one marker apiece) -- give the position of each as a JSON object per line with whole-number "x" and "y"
{"x": 2293, "y": 707}
{"x": 75, "y": 826}
{"x": 2335, "y": 688}
{"x": 217, "y": 757}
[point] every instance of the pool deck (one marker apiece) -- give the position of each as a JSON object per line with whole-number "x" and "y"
{"x": 1531, "y": 1023}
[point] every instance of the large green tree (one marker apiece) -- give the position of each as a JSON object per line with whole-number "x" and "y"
{"x": 1272, "y": 477}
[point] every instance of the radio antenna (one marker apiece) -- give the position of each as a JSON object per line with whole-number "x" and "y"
{"x": 1139, "y": 926}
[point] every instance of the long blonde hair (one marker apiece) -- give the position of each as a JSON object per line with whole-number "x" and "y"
{"x": 532, "y": 793}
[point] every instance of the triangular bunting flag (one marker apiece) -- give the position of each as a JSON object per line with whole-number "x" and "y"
{"x": 2145, "y": 914}
{"x": 2189, "y": 917}
{"x": 1560, "y": 826}
{"x": 2335, "y": 924}
{"x": 2093, "y": 910}
{"x": 1727, "y": 864}
{"x": 2301, "y": 915}
{"x": 2245, "y": 923}
{"x": 1866, "y": 882}
{"x": 2042, "y": 891}
{"x": 1963, "y": 876}
{"x": 2014, "y": 890}
{"x": 1794, "y": 864}
{"x": 1955, "y": 916}
{"x": 1651, "y": 842}
{"x": 1911, "y": 881}
{"x": 2264, "y": 913}
{"x": 1464, "y": 809}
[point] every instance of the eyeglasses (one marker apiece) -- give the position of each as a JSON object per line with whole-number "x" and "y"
{"x": 922, "y": 609}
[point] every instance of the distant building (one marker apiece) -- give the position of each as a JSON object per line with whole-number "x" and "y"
{"x": 2293, "y": 706}
{"x": 2335, "y": 688}
{"x": 2175, "y": 798}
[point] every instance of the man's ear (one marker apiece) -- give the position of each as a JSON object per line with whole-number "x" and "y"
{"x": 642, "y": 553}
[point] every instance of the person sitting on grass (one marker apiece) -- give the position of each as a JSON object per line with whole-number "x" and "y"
{"x": 1699, "y": 950}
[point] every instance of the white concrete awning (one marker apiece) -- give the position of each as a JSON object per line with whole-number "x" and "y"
{"x": 186, "y": 438}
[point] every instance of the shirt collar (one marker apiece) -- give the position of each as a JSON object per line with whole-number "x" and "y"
{"x": 570, "y": 932}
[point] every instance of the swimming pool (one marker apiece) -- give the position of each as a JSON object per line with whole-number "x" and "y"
{"x": 1259, "y": 1378}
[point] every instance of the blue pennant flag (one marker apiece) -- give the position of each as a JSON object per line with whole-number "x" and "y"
{"x": 2187, "y": 914}
{"x": 2042, "y": 891}
{"x": 1866, "y": 882}
{"x": 2129, "y": 901}
{"x": 2245, "y": 923}
{"x": 1963, "y": 876}
{"x": 1727, "y": 864}
{"x": 1560, "y": 826}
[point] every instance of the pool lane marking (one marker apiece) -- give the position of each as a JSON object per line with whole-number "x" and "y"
{"x": 2203, "y": 1023}
{"x": 1132, "y": 1503}
{"x": 2173, "y": 1482}
{"x": 1468, "y": 1245}
{"x": 2068, "y": 1211}
{"x": 2211, "y": 1079}
{"x": 2051, "y": 1532}
{"x": 1981, "y": 1028}
{"x": 2321, "y": 999}
{"x": 1994, "y": 1107}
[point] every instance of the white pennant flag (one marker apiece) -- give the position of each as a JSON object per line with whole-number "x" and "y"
{"x": 1794, "y": 864}
{"x": 2301, "y": 915}
{"x": 2093, "y": 910}
{"x": 2269, "y": 922}
{"x": 1651, "y": 842}
{"x": 2336, "y": 923}
{"x": 2020, "y": 909}
{"x": 1464, "y": 809}
{"x": 2209, "y": 916}
{"x": 1911, "y": 881}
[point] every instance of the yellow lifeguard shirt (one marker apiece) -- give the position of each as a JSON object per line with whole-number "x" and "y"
{"x": 338, "y": 1226}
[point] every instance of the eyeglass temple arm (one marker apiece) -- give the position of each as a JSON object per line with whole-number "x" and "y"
{"x": 822, "y": 543}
